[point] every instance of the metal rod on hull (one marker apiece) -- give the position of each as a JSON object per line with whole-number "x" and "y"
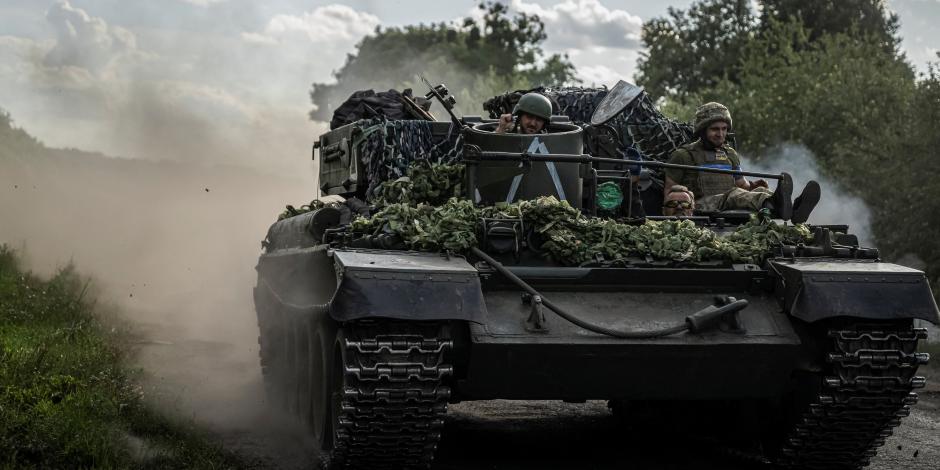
{"x": 585, "y": 158}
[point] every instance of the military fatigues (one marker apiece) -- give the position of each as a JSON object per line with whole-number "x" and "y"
{"x": 714, "y": 191}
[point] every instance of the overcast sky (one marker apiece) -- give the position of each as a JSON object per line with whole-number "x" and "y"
{"x": 228, "y": 80}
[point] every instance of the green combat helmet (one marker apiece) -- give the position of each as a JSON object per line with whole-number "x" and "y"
{"x": 535, "y": 104}
{"x": 711, "y": 112}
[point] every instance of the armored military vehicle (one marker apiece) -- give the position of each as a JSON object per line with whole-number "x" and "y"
{"x": 462, "y": 264}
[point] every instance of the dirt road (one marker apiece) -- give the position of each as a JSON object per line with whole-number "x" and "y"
{"x": 478, "y": 435}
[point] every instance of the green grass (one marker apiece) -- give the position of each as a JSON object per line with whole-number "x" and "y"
{"x": 66, "y": 398}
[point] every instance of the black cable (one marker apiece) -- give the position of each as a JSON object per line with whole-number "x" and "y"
{"x": 696, "y": 322}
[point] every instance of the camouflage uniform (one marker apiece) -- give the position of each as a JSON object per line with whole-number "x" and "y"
{"x": 714, "y": 191}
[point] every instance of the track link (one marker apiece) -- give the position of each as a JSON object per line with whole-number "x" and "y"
{"x": 868, "y": 391}
{"x": 392, "y": 407}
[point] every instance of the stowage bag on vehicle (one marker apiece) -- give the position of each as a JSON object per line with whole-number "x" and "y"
{"x": 367, "y": 104}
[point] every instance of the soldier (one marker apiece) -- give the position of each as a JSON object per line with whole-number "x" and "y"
{"x": 715, "y": 191}
{"x": 530, "y": 116}
{"x": 679, "y": 201}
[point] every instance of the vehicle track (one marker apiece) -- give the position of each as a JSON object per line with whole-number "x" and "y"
{"x": 499, "y": 434}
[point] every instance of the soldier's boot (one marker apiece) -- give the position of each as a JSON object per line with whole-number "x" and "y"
{"x": 806, "y": 202}
{"x": 782, "y": 198}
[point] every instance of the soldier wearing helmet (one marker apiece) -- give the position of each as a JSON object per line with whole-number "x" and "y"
{"x": 530, "y": 115}
{"x": 717, "y": 191}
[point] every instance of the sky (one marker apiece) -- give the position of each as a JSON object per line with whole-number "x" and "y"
{"x": 228, "y": 80}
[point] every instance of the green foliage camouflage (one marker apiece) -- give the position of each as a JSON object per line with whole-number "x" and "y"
{"x": 388, "y": 150}
{"x": 448, "y": 227}
{"x": 431, "y": 183}
{"x": 291, "y": 211}
{"x": 572, "y": 238}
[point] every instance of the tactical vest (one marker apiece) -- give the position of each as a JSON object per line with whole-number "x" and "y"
{"x": 712, "y": 183}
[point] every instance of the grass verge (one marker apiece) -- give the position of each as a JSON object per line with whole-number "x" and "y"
{"x": 66, "y": 398}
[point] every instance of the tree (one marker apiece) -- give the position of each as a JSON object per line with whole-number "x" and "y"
{"x": 693, "y": 50}
{"x": 868, "y": 19}
{"x": 15, "y": 142}
{"x": 910, "y": 216}
{"x": 842, "y": 97}
{"x": 475, "y": 60}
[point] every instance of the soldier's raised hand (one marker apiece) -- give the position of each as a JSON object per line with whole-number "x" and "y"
{"x": 505, "y": 123}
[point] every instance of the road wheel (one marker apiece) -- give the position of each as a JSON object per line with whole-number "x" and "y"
{"x": 319, "y": 386}
{"x": 337, "y": 388}
{"x": 273, "y": 351}
{"x": 289, "y": 364}
{"x": 302, "y": 369}
{"x": 328, "y": 384}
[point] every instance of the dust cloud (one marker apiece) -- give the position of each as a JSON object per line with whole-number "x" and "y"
{"x": 836, "y": 206}
{"x": 173, "y": 246}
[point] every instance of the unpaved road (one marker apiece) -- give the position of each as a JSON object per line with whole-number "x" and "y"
{"x": 220, "y": 388}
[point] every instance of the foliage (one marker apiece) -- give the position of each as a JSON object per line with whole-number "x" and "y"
{"x": 15, "y": 141}
{"x": 572, "y": 238}
{"x": 692, "y": 50}
{"x": 448, "y": 227}
{"x": 291, "y": 211}
{"x": 431, "y": 183}
{"x": 838, "y": 96}
{"x": 475, "y": 60}
{"x": 867, "y": 20}
{"x": 906, "y": 203}
{"x": 66, "y": 400}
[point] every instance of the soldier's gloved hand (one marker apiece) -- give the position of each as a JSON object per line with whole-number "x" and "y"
{"x": 758, "y": 184}
{"x": 505, "y": 123}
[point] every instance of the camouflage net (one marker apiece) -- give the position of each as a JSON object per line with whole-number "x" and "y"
{"x": 645, "y": 132}
{"x": 577, "y": 103}
{"x": 648, "y": 132}
{"x": 388, "y": 148}
{"x": 570, "y": 237}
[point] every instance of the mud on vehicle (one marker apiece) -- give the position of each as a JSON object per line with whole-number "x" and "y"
{"x": 454, "y": 270}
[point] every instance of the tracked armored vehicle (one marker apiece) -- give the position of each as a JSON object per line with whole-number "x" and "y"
{"x": 368, "y": 330}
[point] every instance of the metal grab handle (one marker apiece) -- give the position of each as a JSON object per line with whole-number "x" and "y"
{"x": 334, "y": 151}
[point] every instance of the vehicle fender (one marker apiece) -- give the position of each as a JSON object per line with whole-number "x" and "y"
{"x": 298, "y": 281}
{"x": 405, "y": 285}
{"x": 813, "y": 290}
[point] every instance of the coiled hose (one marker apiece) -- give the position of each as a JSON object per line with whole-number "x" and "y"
{"x": 698, "y": 321}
